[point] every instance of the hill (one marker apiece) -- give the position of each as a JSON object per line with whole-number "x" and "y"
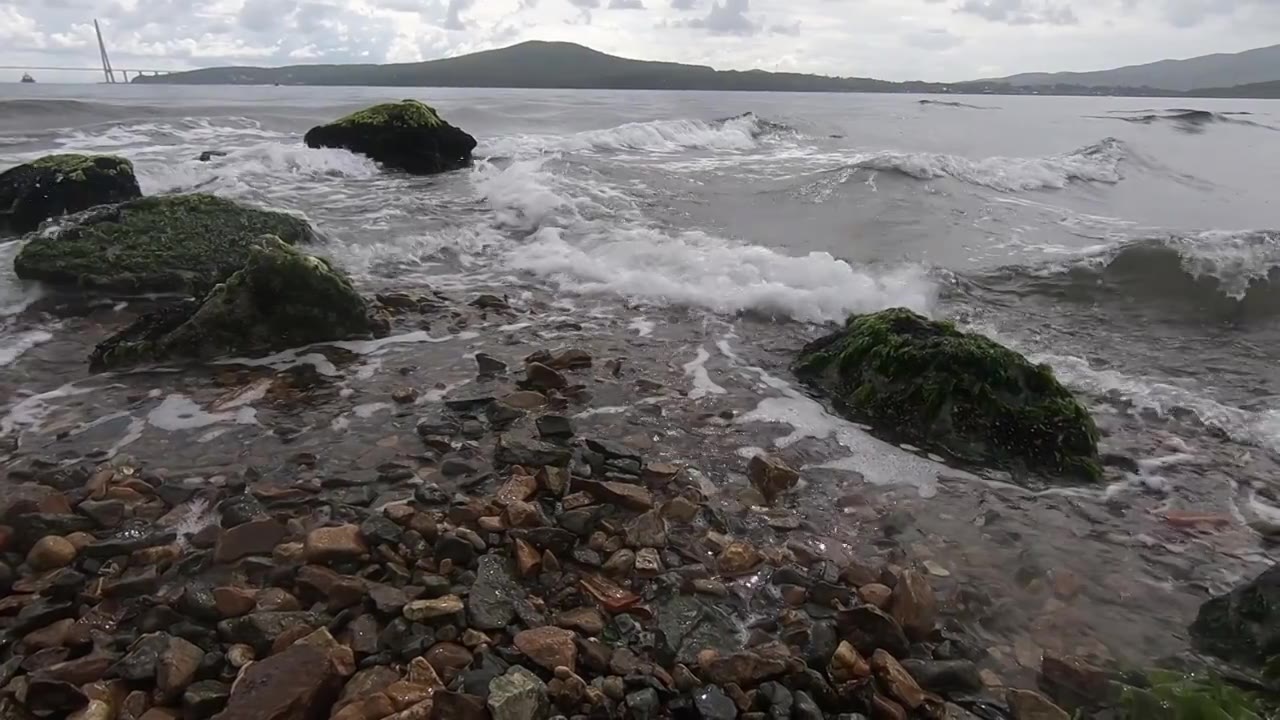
{"x": 1217, "y": 72}
{"x": 1252, "y": 90}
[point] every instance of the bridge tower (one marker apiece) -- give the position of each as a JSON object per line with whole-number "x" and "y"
{"x": 102, "y": 50}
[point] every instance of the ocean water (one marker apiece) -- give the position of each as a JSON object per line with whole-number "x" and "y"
{"x": 1132, "y": 244}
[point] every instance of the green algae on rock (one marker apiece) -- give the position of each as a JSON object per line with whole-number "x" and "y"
{"x": 407, "y": 135}
{"x": 928, "y": 382}
{"x": 56, "y": 185}
{"x": 177, "y": 243}
{"x": 1242, "y": 626}
{"x": 281, "y": 298}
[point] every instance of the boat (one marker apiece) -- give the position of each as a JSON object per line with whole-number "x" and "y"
{"x": 26, "y": 78}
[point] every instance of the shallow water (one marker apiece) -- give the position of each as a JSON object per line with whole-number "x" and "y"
{"x": 704, "y": 246}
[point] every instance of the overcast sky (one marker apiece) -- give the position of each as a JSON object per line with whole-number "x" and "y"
{"x": 890, "y": 39}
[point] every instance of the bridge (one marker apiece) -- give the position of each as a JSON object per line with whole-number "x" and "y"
{"x": 108, "y": 72}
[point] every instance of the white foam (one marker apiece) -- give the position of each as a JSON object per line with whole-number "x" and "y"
{"x": 643, "y": 326}
{"x": 368, "y": 410}
{"x": 179, "y": 412}
{"x": 29, "y": 412}
{"x": 658, "y": 136}
{"x": 13, "y": 345}
{"x": 260, "y": 166}
{"x": 696, "y": 369}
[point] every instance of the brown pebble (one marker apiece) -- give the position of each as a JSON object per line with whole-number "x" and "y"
{"x": 51, "y": 552}
{"x": 875, "y": 594}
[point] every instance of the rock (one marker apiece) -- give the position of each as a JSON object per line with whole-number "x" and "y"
{"x": 50, "y": 553}
{"x": 524, "y": 515}
{"x": 299, "y": 683}
{"x": 587, "y": 621}
{"x": 960, "y": 392}
{"x": 648, "y": 563}
{"x": 882, "y": 708}
{"x": 257, "y": 537}
{"x": 614, "y": 599}
{"x": 771, "y": 476}
{"x": 744, "y": 669}
{"x": 427, "y": 610}
{"x": 644, "y": 704}
{"x": 868, "y": 629}
{"x": 1029, "y": 705}
{"x": 1074, "y": 682}
{"x": 738, "y": 558}
{"x": 945, "y": 676}
{"x": 530, "y": 453}
{"x": 646, "y": 530}
{"x": 171, "y": 243}
{"x": 518, "y": 695}
{"x": 447, "y": 659}
{"x": 258, "y": 630}
{"x": 209, "y": 155}
{"x": 550, "y": 647}
{"x": 620, "y": 563}
{"x": 913, "y": 605}
{"x": 176, "y": 668}
{"x": 458, "y": 706}
{"x": 517, "y": 402}
{"x": 335, "y": 544}
{"x": 1243, "y": 625}
{"x": 455, "y": 549}
{"x": 50, "y": 697}
{"x": 57, "y": 185}
{"x": 491, "y": 603}
{"x": 405, "y": 135}
{"x": 847, "y": 665}
{"x": 555, "y": 427}
{"x": 713, "y": 704}
{"x": 896, "y": 680}
{"x": 204, "y": 699}
{"x": 876, "y": 594}
{"x": 627, "y": 495}
{"x": 541, "y": 377}
{"x": 279, "y": 298}
{"x": 487, "y": 364}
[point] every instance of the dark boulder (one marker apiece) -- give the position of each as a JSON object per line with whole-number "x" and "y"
{"x": 58, "y": 185}
{"x": 406, "y": 135}
{"x": 176, "y": 243}
{"x": 281, "y": 298}
{"x": 1243, "y": 625}
{"x": 929, "y": 383}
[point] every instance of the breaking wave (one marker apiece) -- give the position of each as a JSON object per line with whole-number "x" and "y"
{"x": 743, "y": 132}
{"x": 1099, "y": 162}
{"x": 1187, "y": 119}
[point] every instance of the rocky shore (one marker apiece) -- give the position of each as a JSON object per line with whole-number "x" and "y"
{"x": 506, "y": 565}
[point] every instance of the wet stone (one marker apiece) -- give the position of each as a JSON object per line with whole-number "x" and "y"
{"x": 555, "y": 427}
{"x": 530, "y": 453}
{"x": 487, "y": 364}
{"x": 490, "y": 605}
{"x": 454, "y": 548}
{"x": 378, "y": 529}
{"x": 713, "y": 704}
{"x": 517, "y": 695}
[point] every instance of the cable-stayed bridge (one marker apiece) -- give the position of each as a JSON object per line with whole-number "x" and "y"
{"x": 109, "y": 73}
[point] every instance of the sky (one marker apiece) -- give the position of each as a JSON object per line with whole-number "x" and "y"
{"x": 938, "y": 40}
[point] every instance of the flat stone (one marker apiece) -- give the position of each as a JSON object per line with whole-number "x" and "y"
{"x": 646, "y": 530}
{"x": 896, "y": 680}
{"x": 550, "y": 647}
{"x": 913, "y": 605}
{"x": 448, "y": 659}
{"x": 771, "y": 476}
{"x": 738, "y": 558}
{"x": 176, "y": 668}
{"x": 256, "y": 537}
{"x": 518, "y": 695}
{"x": 744, "y": 669}
{"x": 868, "y": 628}
{"x": 427, "y": 610}
{"x": 334, "y": 544}
{"x": 260, "y": 629}
{"x": 491, "y": 602}
{"x": 512, "y": 450}
{"x": 555, "y": 427}
{"x": 587, "y": 621}
{"x": 285, "y": 686}
{"x": 1029, "y": 705}
{"x": 233, "y": 601}
{"x": 541, "y": 377}
{"x": 627, "y": 495}
{"x": 713, "y": 704}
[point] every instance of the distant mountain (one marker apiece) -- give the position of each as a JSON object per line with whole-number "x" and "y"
{"x": 1209, "y": 71}
{"x": 1252, "y": 90}
{"x": 565, "y": 65}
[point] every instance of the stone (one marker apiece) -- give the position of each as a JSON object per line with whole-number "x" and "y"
{"x": 57, "y": 185}
{"x": 512, "y": 450}
{"x": 646, "y": 530}
{"x": 454, "y": 548}
{"x": 291, "y": 685}
{"x": 518, "y": 695}
{"x": 876, "y": 594}
{"x": 257, "y": 537}
{"x": 626, "y": 495}
{"x": 644, "y": 704}
{"x": 524, "y": 515}
{"x": 1075, "y": 682}
{"x": 541, "y": 377}
{"x": 51, "y": 552}
{"x": 524, "y": 400}
{"x": 587, "y": 621}
{"x": 550, "y": 647}
{"x": 205, "y": 698}
{"x": 882, "y": 708}
{"x": 896, "y": 680}
{"x": 528, "y": 559}
{"x": 1030, "y": 705}
{"x": 612, "y": 598}
{"x": 458, "y": 706}
{"x": 487, "y": 364}
{"x": 447, "y": 659}
{"x": 847, "y": 665}
{"x": 771, "y": 476}
{"x": 47, "y": 697}
{"x": 1241, "y": 626}
{"x": 260, "y": 629}
{"x": 713, "y": 704}
{"x": 491, "y": 602}
{"x": 555, "y": 427}
{"x": 962, "y": 393}
{"x": 233, "y": 601}
{"x": 620, "y": 563}
{"x": 648, "y": 564}
{"x": 945, "y": 676}
{"x": 176, "y": 668}
{"x": 434, "y": 609}
{"x": 868, "y": 628}
{"x": 745, "y": 669}
{"x": 334, "y": 544}
{"x": 406, "y": 135}
{"x": 738, "y": 558}
{"x": 913, "y": 605}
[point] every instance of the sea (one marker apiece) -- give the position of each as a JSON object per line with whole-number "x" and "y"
{"x": 698, "y": 240}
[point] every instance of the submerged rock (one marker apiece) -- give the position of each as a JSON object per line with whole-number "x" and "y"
{"x": 57, "y": 185}
{"x": 177, "y": 243}
{"x": 281, "y": 298}
{"x": 928, "y": 382}
{"x": 406, "y": 135}
{"x": 1243, "y": 625}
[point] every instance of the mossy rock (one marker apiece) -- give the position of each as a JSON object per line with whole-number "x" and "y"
{"x": 1242, "y": 626}
{"x": 176, "y": 243}
{"x": 406, "y": 135}
{"x": 281, "y": 298}
{"x": 929, "y": 383}
{"x": 57, "y": 185}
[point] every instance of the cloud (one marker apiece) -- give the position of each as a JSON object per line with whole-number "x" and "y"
{"x": 684, "y": 4}
{"x": 727, "y": 18}
{"x": 1021, "y": 12}
{"x": 453, "y": 19}
{"x": 933, "y": 39}
{"x": 626, "y": 4}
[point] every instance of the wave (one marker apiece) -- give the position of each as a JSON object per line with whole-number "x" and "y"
{"x": 257, "y": 166}
{"x": 1187, "y": 119}
{"x": 954, "y": 104}
{"x": 588, "y": 238}
{"x": 742, "y": 132}
{"x": 1099, "y": 162}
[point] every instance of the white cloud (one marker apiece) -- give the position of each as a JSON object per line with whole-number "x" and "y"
{"x": 892, "y": 39}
